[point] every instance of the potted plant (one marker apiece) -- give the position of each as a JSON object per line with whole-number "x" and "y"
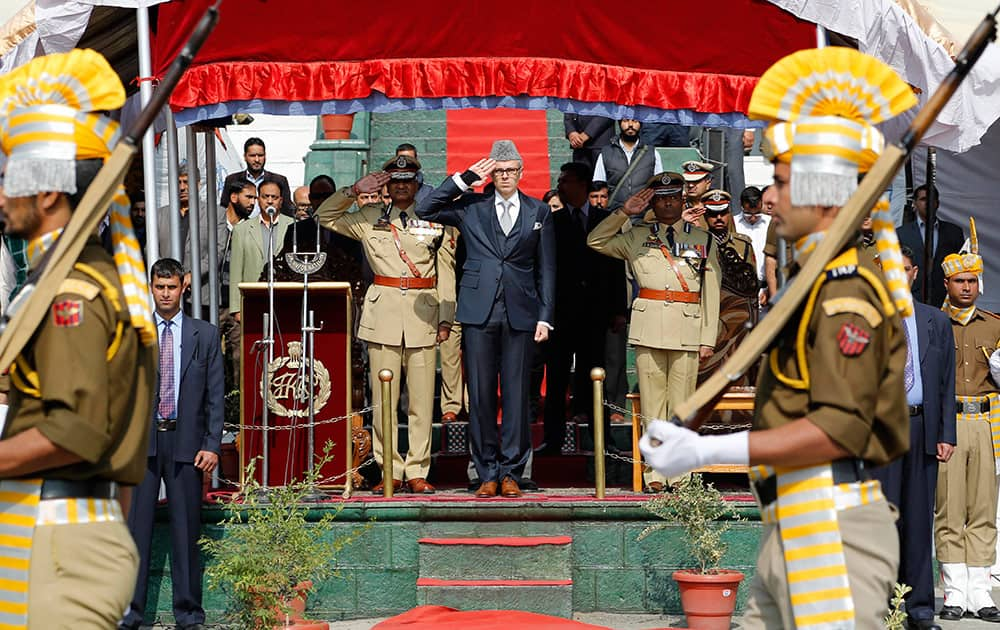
{"x": 708, "y": 593}
{"x": 272, "y": 555}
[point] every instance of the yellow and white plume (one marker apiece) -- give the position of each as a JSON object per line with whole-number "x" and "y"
{"x": 50, "y": 118}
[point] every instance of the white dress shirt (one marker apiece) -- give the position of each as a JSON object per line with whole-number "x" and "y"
{"x": 515, "y": 207}
{"x": 758, "y": 235}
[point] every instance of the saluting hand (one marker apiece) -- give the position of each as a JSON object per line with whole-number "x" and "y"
{"x": 206, "y": 461}
{"x": 483, "y": 168}
{"x": 638, "y": 202}
{"x": 371, "y": 182}
{"x": 691, "y": 215}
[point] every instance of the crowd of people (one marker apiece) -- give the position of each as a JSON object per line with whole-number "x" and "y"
{"x": 873, "y": 395}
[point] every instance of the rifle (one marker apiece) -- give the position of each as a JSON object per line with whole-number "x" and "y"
{"x": 30, "y": 306}
{"x": 696, "y": 409}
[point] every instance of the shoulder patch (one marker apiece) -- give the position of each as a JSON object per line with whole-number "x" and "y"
{"x": 67, "y": 313}
{"x": 79, "y": 287}
{"x": 843, "y": 271}
{"x": 852, "y": 339}
{"x": 836, "y": 306}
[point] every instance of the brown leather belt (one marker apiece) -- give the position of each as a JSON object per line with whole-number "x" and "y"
{"x": 687, "y": 297}
{"x": 406, "y": 283}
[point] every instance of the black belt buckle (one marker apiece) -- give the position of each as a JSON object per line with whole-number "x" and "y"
{"x": 916, "y": 410}
{"x": 80, "y": 489}
{"x": 163, "y": 424}
{"x": 847, "y": 470}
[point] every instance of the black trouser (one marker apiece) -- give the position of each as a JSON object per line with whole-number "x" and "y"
{"x": 586, "y": 341}
{"x": 909, "y": 484}
{"x": 493, "y": 350}
{"x": 183, "y": 482}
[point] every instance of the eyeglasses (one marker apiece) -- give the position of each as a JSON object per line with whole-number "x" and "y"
{"x": 506, "y": 172}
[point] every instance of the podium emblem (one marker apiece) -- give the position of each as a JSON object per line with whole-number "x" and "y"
{"x": 289, "y": 395}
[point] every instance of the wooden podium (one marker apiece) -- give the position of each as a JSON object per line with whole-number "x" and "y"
{"x": 287, "y": 447}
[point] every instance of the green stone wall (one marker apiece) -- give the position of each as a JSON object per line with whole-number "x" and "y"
{"x": 376, "y": 573}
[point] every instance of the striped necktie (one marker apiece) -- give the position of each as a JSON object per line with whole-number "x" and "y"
{"x": 168, "y": 406}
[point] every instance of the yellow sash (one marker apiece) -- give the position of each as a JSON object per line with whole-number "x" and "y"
{"x": 806, "y": 516}
{"x": 19, "y": 500}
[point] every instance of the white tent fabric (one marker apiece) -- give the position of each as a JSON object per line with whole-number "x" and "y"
{"x": 887, "y": 31}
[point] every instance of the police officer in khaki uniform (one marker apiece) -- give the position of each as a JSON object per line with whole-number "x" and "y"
{"x": 738, "y": 270}
{"x": 697, "y": 181}
{"x": 452, "y": 397}
{"x": 403, "y": 316}
{"x": 81, "y": 389}
{"x": 965, "y": 531}
{"x": 675, "y": 317}
{"x": 830, "y": 397}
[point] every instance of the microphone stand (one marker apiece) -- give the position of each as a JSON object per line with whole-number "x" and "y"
{"x": 268, "y": 341}
{"x": 305, "y": 264}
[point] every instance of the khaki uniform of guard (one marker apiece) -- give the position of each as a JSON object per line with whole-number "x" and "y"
{"x": 966, "y": 504}
{"x": 863, "y": 410}
{"x": 400, "y": 322}
{"x": 452, "y": 397}
{"x": 666, "y": 331}
{"x": 86, "y": 382}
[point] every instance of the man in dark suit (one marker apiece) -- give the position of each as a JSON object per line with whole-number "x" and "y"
{"x": 590, "y": 292}
{"x": 255, "y": 156}
{"x": 587, "y": 135}
{"x": 505, "y": 303}
{"x": 186, "y": 432}
{"x": 910, "y": 482}
{"x": 948, "y": 239}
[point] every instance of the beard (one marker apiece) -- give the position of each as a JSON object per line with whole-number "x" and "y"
{"x": 630, "y": 135}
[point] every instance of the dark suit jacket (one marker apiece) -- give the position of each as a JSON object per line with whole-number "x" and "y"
{"x": 937, "y": 373}
{"x": 588, "y": 284}
{"x": 287, "y": 203}
{"x": 950, "y": 240}
{"x": 524, "y": 264}
{"x": 599, "y": 128}
{"x": 200, "y": 393}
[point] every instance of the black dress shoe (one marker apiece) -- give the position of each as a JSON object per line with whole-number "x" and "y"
{"x": 951, "y": 613}
{"x": 921, "y": 624}
{"x": 990, "y": 613}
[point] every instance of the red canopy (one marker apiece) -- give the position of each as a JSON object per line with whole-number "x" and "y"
{"x": 648, "y": 55}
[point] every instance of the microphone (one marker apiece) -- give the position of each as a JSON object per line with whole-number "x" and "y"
{"x": 271, "y": 211}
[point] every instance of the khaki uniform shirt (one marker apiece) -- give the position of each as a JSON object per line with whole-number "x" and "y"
{"x": 65, "y": 386}
{"x": 392, "y": 316}
{"x": 855, "y": 356}
{"x": 974, "y": 342}
{"x": 655, "y": 323}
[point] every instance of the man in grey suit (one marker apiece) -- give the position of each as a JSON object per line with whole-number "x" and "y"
{"x": 249, "y": 245}
{"x": 506, "y": 303}
{"x": 184, "y": 444}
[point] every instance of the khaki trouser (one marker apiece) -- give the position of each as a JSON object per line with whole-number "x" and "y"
{"x": 81, "y": 576}
{"x": 452, "y": 383}
{"x": 965, "y": 509}
{"x": 871, "y": 549}
{"x": 666, "y": 377}
{"x": 419, "y": 366}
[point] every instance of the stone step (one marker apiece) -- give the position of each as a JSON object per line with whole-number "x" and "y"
{"x": 496, "y": 558}
{"x": 548, "y": 597}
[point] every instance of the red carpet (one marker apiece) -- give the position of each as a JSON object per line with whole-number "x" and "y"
{"x": 471, "y": 133}
{"x": 443, "y": 618}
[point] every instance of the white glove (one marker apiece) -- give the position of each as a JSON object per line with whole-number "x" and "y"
{"x": 672, "y": 450}
{"x": 995, "y": 366}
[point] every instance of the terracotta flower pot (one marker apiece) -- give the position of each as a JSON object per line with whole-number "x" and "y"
{"x": 294, "y": 619}
{"x": 708, "y": 599}
{"x": 337, "y": 126}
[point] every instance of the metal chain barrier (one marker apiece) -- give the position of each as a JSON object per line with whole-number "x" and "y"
{"x": 705, "y": 428}
{"x": 301, "y": 425}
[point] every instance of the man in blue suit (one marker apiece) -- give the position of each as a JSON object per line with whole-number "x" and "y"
{"x": 948, "y": 238}
{"x": 910, "y": 482}
{"x": 184, "y": 444}
{"x": 505, "y": 304}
